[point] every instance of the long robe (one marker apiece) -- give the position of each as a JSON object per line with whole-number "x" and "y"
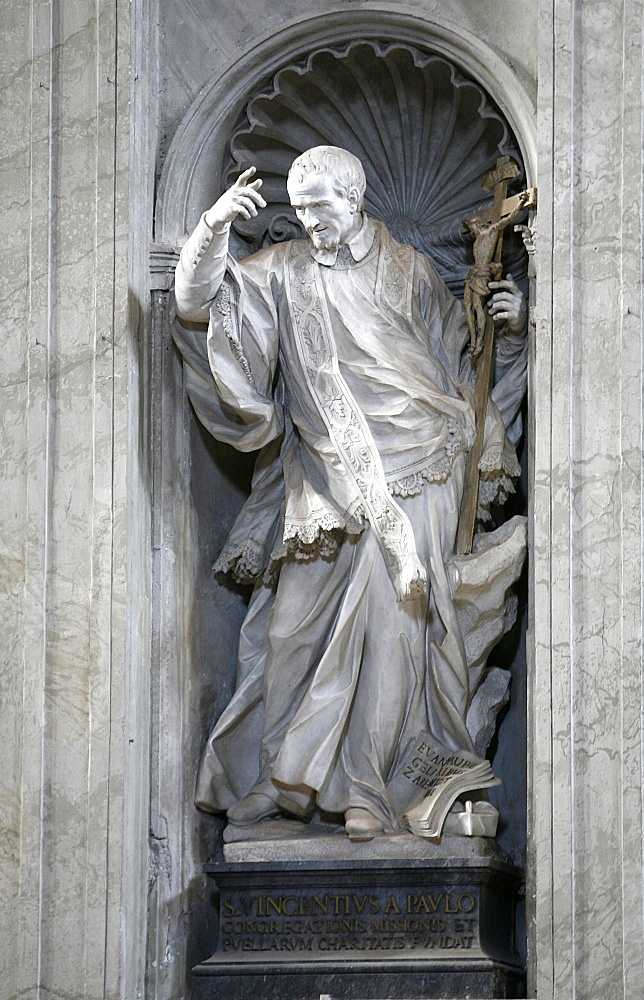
{"x": 353, "y": 377}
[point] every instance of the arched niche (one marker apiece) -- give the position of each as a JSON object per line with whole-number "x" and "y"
{"x": 424, "y": 132}
{"x": 206, "y": 485}
{"x": 192, "y": 171}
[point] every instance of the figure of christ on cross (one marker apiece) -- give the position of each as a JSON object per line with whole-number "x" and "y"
{"x": 488, "y": 227}
{"x": 486, "y": 269}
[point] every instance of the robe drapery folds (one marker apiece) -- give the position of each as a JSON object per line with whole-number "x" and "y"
{"x": 354, "y": 382}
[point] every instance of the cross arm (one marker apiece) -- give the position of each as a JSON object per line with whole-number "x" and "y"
{"x": 508, "y": 205}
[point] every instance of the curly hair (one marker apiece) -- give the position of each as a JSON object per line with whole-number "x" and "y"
{"x": 344, "y": 168}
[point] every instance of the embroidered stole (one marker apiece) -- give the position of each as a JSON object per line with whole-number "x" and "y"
{"x": 348, "y": 430}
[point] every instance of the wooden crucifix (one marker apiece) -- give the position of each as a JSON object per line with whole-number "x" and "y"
{"x": 487, "y": 226}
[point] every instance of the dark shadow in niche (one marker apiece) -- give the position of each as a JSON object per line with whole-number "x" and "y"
{"x": 508, "y": 750}
{"x": 219, "y": 484}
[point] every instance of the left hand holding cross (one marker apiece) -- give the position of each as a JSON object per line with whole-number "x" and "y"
{"x": 508, "y": 303}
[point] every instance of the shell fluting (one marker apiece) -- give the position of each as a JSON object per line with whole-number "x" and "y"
{"x": 425, "y": 134}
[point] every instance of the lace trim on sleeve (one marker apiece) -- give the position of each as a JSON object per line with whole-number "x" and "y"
{"x": 498, "y": 468}
{"x": 223, "y": 305}
{"x": 499, "y": 458}
{"x": 493, "y": 491}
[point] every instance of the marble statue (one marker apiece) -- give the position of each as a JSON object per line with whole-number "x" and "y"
{"x": 342, "y": 358}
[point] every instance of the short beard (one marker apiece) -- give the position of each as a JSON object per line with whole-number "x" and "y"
{"x": 326, "y": 246}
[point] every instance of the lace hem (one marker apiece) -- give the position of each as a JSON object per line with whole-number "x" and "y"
{"x": 411, "y": 486}
{"x": 243, "y": 561}
{"x": 306, "y": 533}
{"x": 324, "y": 546}
{"x": 319, "y": 537}
{"x": 437, "y": 472}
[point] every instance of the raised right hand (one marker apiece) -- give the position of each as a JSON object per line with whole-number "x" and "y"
{"x": 241, "y": 199}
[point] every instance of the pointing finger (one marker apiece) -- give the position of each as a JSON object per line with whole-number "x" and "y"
{"x": 251, "y": 194}
{"x": 245, "y": 176}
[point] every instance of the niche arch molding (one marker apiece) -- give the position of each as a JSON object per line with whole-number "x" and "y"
{"x": 191, "y": 174}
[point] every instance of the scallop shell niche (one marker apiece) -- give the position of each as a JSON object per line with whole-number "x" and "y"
{"x": 425, "y": 134}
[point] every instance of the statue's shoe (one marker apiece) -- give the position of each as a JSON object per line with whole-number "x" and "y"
{"x": 253, "y": 808}
{"x": 361, "y": 825}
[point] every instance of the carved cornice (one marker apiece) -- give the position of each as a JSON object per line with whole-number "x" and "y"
{"x": 163, "y": 261}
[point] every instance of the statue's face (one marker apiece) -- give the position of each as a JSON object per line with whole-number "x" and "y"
{"x": 328, "y": 216}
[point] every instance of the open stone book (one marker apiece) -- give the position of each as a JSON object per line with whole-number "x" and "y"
{"x": 430, "y": 780}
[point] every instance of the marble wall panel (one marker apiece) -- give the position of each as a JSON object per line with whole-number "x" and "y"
{"x": 65, "y": 185}
{"x": 14, "y": 258}
{"x": 631, "y": 496}
{"x": 83, "y": 562}
{"x": 588, "y": 545}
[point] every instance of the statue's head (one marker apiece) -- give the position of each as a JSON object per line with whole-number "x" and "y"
{"x": 342, "y": 167}
{"x": 326, "y": 187}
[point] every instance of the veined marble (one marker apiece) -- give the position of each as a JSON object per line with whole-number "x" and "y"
{"x": 65, "y": 256}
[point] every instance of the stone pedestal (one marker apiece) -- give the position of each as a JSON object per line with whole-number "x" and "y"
{"x": 364, "y": 922}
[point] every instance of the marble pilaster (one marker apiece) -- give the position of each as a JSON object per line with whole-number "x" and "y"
{"x": 64, "y": 255}
{"x": 587, "y": 391}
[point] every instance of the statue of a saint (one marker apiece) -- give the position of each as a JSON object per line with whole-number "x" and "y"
{"x": 343, "y": 357}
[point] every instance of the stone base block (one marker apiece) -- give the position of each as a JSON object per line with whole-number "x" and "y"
{"x": 395, "y": 928}
{"x": 382, "y": 981}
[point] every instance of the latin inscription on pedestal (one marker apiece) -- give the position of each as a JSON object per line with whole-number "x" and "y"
{"x": 328, "y": 922}
{"x": 408, "y": 928}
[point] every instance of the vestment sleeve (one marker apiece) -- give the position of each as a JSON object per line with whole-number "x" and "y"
{"x": 235, "y": 398}
{"x": 200, "y": 271}
{"x": 510, "y": 377}
{"x": 243, "y": 346}
{"x": 445, "y": 323}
